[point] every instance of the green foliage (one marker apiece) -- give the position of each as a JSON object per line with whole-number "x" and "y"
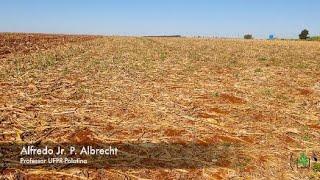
{"x": 262, "y": 59}
{"x": 248, "y": 36}
{"x": 306, "y": 137}
{"x": 162, "y": 56}
{"x": 316, "y": 167}
{"x": 304, "y": 34}
{"x": 258, "y": 70}
{"x": 215, "y": 94}
{"x": 43, "y": 62}
{"x": 301, "y": 65}
{"x": 314, "y": 38}
{"x": 267, "y": 92}
{"x": 303, "y": 160}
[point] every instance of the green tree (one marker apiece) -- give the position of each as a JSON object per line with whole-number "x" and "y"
{"x": 304, "y": 34}
{"x": 248, "y": 36}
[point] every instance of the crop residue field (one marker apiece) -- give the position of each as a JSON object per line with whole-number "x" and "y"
{"x": 251, "y": 103}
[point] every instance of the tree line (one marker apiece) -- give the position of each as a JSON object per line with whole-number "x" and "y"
{"x": 304, "y": 35}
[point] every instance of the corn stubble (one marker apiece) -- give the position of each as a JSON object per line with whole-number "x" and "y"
{"x": 256, "y": 99}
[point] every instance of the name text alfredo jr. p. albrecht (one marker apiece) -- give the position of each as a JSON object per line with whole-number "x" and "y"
{"x": 72, "y": 150}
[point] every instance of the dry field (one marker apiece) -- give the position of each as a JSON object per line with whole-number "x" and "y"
{"x": 252, "y": 105}
{"x": 26, "y": 43}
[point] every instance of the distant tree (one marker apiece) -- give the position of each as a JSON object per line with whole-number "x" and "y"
{"x": 315, "y": 38}
{"x": 248, "y": 36}
{"x": 304, "y": 34}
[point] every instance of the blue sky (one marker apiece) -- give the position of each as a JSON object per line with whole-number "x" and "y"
{"x": 230, "y": 18}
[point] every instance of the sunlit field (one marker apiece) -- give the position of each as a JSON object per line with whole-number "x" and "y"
{"x": 254, "y": 104}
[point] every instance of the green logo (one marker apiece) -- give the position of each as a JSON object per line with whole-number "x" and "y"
{"x": 303, "y": 161}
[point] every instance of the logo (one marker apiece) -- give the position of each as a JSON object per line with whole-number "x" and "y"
{"x": 303, "y": 160}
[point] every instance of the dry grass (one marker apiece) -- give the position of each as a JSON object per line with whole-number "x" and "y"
{"x": 21, "y": 43}
{"x": 258, "y": 100}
